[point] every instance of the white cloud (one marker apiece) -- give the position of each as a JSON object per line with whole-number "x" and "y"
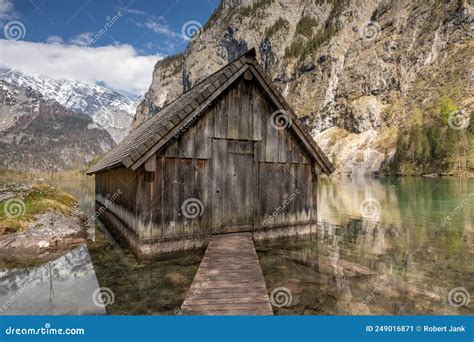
{"x": 154, "y": 23}
{"x": 137, "y": 12}
{"x": 7, "y": 11}
{"x": 82, "y": 39}
{"x": 119, "y": 67}
{"x": 160, "y": 28}
{"x": 157, "y": 24}
{"x": 54, "y": 40}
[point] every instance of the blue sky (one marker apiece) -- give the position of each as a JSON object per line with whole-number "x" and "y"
{"x": 152, "y": 27}
{"x": 88, "y": 40}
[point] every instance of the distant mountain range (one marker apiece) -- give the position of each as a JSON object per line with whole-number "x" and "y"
{"x": 54, "y": 125}
{"x": 107, "y": 108}
{"x": 37, "y": 134}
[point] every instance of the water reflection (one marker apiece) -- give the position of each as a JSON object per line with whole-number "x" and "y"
{"x": 64, "y": 286}
{"x": 417, "y": 202}
{"x": 141, "y": 287}
{"x": 402, "y": 261}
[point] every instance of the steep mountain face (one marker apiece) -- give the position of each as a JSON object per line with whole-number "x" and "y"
{"x": 380, "y": 82}
{"x": 107, "y": 108}
{"x": 37, "y": 134}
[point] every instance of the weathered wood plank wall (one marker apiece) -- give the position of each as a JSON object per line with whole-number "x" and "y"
{"x": 245, "y": 172}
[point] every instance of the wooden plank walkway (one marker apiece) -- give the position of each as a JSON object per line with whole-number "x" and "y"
{"x": 229, "y": 280}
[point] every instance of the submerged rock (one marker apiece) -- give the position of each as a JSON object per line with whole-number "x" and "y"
{"x": 38, "y": 223}
{"x": 175, "y": 279}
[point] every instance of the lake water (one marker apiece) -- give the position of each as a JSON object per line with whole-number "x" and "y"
{"x": 402, "y": 246}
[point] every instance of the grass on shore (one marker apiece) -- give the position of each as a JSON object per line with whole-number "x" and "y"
{"x": 15, "y": 214}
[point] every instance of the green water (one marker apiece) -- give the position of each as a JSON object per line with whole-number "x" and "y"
{"x": 382, "y": 247}
{"x": 405, "y": 260}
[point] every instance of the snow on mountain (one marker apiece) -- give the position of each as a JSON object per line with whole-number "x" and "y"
{"x": 107, "y": 108}
{"x": 38, "y": 134}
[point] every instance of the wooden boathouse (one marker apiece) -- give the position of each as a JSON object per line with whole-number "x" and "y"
{"x": 227, "y": 156}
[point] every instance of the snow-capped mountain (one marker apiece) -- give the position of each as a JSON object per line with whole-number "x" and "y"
{"x": 107, "y": 108}
{"x": 38, "y": 134}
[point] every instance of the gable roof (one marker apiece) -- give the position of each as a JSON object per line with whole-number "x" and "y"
{"x": 155, "y": 132}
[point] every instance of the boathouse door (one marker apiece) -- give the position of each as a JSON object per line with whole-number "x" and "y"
{"x": 233, "y": 185}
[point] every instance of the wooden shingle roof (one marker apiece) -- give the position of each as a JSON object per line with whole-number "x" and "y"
{"x": 151, "y": 135}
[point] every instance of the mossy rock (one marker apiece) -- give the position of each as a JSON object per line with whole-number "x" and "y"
{"x": 38, "y": 222}
{"x": 19, "y": 204}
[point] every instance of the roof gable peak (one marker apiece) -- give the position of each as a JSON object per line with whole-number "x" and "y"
{"x": 154, "y": 133}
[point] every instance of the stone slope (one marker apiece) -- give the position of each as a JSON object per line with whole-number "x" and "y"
{"x": 351, "y": 68}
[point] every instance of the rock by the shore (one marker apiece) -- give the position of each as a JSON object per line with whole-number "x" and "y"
{"x": 39, "y": 222}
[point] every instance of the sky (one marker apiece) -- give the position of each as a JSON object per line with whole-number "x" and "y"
{"x": 115, "y": 43}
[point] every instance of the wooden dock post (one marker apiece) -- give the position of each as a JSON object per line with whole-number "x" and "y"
{"x": 229, "y": 280}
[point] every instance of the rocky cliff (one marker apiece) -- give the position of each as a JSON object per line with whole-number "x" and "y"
{"x": 381, "y": 83}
